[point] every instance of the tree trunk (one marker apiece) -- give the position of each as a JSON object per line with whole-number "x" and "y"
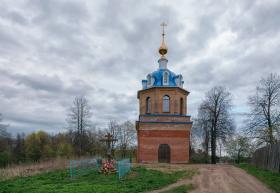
{"x": 270, "y": 132}
{"x": 238, "y": 156}
{"x": 213, "y": 146}
{"x": 206, "y": 146}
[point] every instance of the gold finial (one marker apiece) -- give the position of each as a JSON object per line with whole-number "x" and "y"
{"x": 163, "y": 48}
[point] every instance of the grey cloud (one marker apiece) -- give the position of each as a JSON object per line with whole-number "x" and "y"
{"x": 41, "y": 82}
{"x": 52, "y": 51}
{"x": 256, "y": 18}
{"x": 14, "y": 16}
{"x": 70, "y": 11}
{"x": 7, "y": 91}
{"x": 8, "y": 41}
{"x": 197, "y": 39}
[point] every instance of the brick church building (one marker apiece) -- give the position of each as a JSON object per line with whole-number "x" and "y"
{"x": 163, "y": 128}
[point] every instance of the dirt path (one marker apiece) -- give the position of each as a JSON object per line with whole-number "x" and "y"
{"x": 226, "y": 179}
{"x": 221, "y": 179}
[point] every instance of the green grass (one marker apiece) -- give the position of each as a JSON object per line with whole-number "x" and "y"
{"x": 271, "y": 179}
{"x": 180, "y": 189}
{"x": 138, "y": 180}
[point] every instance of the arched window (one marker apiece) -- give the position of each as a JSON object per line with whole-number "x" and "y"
{"x": 165, "y": 103}
{"x": 165, "y": 78}
{"x": 148, "y": 105}
{"x": 181, "y": 106}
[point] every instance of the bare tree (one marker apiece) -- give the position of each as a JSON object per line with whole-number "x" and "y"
{"x": 264, "y": 119}
{"x": 126, "y": 137}
{"x": 79, "y": 121}
{"x": 201, "y": 130}
{"x": 114, "y": 128}
{"x": 216, "y": 107}
{"x": 125, "y": 134}
{"x": 3, "y": 128}
{"x": 5, "y": 137}
{"x": 18, "y": 150}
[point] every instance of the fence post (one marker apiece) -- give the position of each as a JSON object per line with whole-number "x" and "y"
{"x": 70, "y": 168}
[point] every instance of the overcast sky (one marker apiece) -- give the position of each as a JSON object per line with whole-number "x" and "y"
{"x": 52, "y": 51}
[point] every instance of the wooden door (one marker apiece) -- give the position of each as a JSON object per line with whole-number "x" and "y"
{"x": 164, "y": 153}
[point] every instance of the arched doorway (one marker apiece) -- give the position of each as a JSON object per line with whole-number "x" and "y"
{"x": 164, "y": 153}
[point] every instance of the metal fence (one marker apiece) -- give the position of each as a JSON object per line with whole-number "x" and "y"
{"x": 268, "y": 158}
{"x": 81, "y": 167}
{"x": 123, "y": 167}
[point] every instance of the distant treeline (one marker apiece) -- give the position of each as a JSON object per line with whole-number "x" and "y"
{"x": 40, "y": 145}
{"x": 80, "y": 140}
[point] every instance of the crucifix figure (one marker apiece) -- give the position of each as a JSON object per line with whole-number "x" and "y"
{"x": 109, "y": 139}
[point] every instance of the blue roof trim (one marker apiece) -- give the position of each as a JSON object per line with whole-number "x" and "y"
{"x": 167, "y": 86}
{"x": 166, "y": 115}
{"x": 189, "y": 122}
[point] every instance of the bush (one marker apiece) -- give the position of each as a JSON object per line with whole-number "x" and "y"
{"x": 5, "y": 158}
{"x": 64, "y": 150}
{"x": 199, "y": 157}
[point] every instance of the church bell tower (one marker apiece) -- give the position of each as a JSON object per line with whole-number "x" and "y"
{"x": 163, "y": 128}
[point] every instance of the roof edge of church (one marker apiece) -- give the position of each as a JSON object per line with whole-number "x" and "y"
{"x": 162, "y": 87}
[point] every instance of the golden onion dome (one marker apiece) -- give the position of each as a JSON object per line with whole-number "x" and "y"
{"x": 163, "y": 49}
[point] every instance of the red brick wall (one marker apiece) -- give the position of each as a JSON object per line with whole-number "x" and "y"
{"x": 152, "y": 131}
{"x": 156, "y": 95}
{"x": 149, "y": 141}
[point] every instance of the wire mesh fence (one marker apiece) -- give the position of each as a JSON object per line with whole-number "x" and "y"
{"x": 82, "y": 167}
{"x": 123, "y": 167}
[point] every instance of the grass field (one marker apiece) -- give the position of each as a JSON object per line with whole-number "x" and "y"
{"x": 139, "y": 179}
{"x": 271, "y": 179}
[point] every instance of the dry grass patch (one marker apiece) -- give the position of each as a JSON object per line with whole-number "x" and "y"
{"x": 30, "y": 169}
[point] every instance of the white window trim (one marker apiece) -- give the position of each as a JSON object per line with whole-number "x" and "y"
{"x": 163, "y": 104}
{"x": 149, "y": 80}
{"x": 152, "y": 80}
{"x": 167, "y": 79}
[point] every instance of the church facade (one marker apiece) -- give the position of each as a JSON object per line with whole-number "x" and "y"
{"x": 163, "y": 128}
